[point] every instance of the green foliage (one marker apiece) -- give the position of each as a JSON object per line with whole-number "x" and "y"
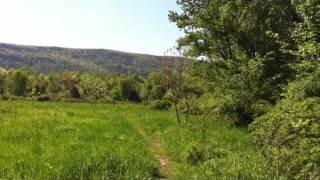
{"x": 161, "y": 104}
{"x": 288, "y": 136}
{"x": 241, "y": 43}
{"x": 43, "y": 98}
{"x": 289, "y": 139}
{"x": 153, "y": 88}
{"x": 305, "y": 87}
{"x": 129, "y": 88}
{"x": 205, "y": 152}
{"x": 69, "y": 81}
{"x": 93, "y": 87}
{"x": 224, "y": 29}
{"x": 18, "y": 83}
{"x": 54, "y": 85}
{"x": 190, "y": 106}
{"x": 74, "y": 86}
{"x": 260, "y": 66}
{"x": 240, "y": 86}
{"x": 306, "y": 33}
{"x": 3, "y": 77}
{"x": 228, "y": 153}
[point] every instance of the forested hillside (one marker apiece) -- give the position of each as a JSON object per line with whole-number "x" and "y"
{"x": 55, "y": 59}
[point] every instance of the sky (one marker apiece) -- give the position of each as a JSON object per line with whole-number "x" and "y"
{"x": 139, "y": 26}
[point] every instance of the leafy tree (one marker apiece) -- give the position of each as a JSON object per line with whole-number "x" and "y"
{"x": 54, "y": 83}
{"x": 191, "y": 91}
{"x": 288, "y": 136}
{"x": 153, "y": 88}
{"x": 129, "y": 88}
{"x": 146, "y": 92}
{"x": 113, "y": 89}
{"x": 223, "y": 29}
{"x": 18, "y": 81}
{"x": 69, "y": 82}
{"x": 37, "y": 84}
{"x": 236, "y": 38}
{"x": 307, "y": 32}
{"x": 3, "y": 77}
{"x": 173, "y": 79}
{"x": 94, "y": 87}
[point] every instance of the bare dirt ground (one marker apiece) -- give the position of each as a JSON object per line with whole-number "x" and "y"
{"x": 165, "y": 164}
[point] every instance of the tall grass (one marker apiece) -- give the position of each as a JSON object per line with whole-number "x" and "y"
{"x": 70, "y": 141}
{"x": 225, "y": 153}
{"x": 55, "y": 140}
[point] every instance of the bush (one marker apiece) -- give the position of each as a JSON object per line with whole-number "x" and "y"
{"x": 260, "y": 108}
{"x": 161, "y": 104}
{"x": 201, "y": 153}
{"x": 43, "y": 98}
{"x": 5, "y": 97}
{"x": 18, "y": 83}
{"x": 190, "y": 106}
{"x": 289, "y": 139}
{"x": 235, "y": 109}
{"x": 306, "y": 87}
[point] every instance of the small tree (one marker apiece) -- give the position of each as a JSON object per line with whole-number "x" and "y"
{"x": 174, "y": 78}
{"x": 18, "y": 83}
{"x": 3, "y": 77}
{"x": 113, "y": 89}
{"x": 54, "y": 83}
{"x": 153, "y": 88}
{"x": 129, "y": 88}
{"x": 69, "y": 82}
{"x": 99, "y": 90}
{"x": 147, "y": 91}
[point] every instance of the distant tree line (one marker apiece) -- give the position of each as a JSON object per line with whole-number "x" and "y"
{"x": 156, "y": 90}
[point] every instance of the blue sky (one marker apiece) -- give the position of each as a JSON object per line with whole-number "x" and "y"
{"x": 139, "y": 26}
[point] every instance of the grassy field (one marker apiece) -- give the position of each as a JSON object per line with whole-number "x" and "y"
{"x": 55, "y": 140}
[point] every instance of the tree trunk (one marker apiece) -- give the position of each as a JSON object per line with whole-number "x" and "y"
{"x": 188, "y": 113}
{"x": 177, "y": 111}
{"x": 150, "y": 102}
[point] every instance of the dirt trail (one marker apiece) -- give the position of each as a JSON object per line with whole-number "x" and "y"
{"x": 165, "y": 164}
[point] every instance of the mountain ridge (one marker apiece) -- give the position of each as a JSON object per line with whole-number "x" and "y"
{"x": 72, "y": 48}
{"x": 58, "y": 59}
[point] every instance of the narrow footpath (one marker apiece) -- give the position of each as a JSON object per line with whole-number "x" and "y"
{"x": 166, "y": 166}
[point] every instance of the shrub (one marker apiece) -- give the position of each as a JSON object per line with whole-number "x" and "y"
{"x": 3, "y": 76}
{"x": 161, "y": 104}
{"x": 260, "y": 108}
{"x": 190, "y": 106}
{"x": 18, "y": 83}
{"x": 201, "y": 153}
{"x": 195, "y": 156}
{"x": 43, "y": 98}
{"x": 289, "y": 139}
{"x": 5, "y": 97}
{"x": 305, "y": 87}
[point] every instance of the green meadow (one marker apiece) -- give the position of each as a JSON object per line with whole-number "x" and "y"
{"x": 62, "y": 140}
